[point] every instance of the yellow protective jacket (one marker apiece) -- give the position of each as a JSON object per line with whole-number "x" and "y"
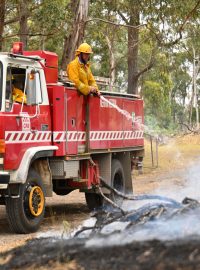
{"x": 81, "y": 75}
{"x": 18, "y": 95}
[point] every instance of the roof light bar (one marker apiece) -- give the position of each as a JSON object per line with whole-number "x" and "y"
{"x": 17, "y": 48}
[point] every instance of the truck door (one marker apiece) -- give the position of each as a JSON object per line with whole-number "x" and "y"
{"x": 76, "y": 123}
{"x": 27, "y": 117}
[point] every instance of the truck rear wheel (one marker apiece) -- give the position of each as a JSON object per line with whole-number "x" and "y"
{"x": 93, "y": 200}
{"x": 26, "y": 213}
{"x": 117, "y": 180}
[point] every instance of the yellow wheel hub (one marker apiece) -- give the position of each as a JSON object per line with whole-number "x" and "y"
{"x": 36, "y": 201}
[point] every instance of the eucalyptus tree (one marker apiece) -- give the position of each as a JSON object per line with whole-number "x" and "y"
{"x": 75, "y": 35}
{"x": 164, "y": 20}
{"x": 192, "y": 44}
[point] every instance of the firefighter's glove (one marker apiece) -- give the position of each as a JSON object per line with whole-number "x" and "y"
{"x": 94, "y": 91}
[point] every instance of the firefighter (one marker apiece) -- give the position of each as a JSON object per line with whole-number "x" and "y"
{"x": 80, "y": 73}
{"x": 17, "y": 94}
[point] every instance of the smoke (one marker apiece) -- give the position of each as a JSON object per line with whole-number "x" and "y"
{"x": 176, "y": 184}
{"x": 165, "y": 228}
{"x": 180, "y": 226}
{"x": 189, "y": 186}
{"x": 171, "y": 230}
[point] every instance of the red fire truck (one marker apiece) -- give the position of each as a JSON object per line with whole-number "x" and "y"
{"x": 60, "y": 140}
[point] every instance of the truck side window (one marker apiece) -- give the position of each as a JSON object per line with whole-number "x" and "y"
{"x": 9, "y": 99}
{"x": 15, "y": 82}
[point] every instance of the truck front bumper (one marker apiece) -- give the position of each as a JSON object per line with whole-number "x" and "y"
{"x": 4, "y": 179}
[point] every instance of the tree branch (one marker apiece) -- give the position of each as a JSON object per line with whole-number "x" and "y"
{"x": 180, "y": 30}
{"x": 116, "y": 24}
{"x": 149, "y": 66}
{"x": 123, "y": 17}
{"x": 16, "y": 19}
{"x": 189, "y": 16}
{"x": 191, "y": 130}
{"x": 31, "y": 35}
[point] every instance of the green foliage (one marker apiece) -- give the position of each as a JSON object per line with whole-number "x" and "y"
{"x": 154, "y": 127}
{"x": 168, "y": 35}
{"x": 157, "y": 102}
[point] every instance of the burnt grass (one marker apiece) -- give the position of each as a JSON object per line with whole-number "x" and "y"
{"x": 182, "y": 254}
{"x": 74, "y": 254}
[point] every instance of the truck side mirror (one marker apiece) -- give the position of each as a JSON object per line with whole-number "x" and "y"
{"x": 33, "y": 88}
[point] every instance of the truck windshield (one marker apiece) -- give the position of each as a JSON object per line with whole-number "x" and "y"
{"x": 1, "y": 83}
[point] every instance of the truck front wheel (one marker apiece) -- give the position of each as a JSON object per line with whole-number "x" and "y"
{"x": 26, "y": 213}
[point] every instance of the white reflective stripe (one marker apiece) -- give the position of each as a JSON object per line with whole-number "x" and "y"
{"x": 12, "y": 136}
{"x": 58, "y": 136}
{"x": 24, "y": 136}
{"x": 1, "y": 160}
{"x": 70, "y": 136}
{"x": 27, "y": 137}
{"x": 81, "y": 136}
{"x": 115, "y": 135}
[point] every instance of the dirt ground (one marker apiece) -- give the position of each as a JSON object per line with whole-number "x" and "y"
{"x": 68, "y": 212}
{"x": 62, "y": 213}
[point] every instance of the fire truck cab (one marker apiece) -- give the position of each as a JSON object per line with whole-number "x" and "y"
{"x": 53, "y": 139}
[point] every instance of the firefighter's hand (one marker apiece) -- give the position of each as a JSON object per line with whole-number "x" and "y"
{"x": 94, "y": 91}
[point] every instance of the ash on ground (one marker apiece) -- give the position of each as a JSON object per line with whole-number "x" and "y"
{"x": 114, "y": 239}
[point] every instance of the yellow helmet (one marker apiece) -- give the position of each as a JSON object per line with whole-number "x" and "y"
{"x": 84, "y": 48}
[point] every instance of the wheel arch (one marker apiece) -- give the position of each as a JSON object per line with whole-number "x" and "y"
{"x": 35, "y": 157}
{"x": 104, "y": 162}
{"x": 105, "y": 165}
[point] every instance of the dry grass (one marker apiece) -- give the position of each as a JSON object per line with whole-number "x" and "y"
{"x": 175, "y": 154}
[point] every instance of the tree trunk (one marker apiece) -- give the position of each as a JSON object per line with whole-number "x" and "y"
{"x": 2, "y": 20}
{"x": 112, "y": 62}
{"x": 133, "y": 21}
{"x": 23, "y": 18}
{"x": 191, "y": 107}
{"x": 72, "y": 41}
{"x": 196, "y": 66}
{"x": 133, "y": 37}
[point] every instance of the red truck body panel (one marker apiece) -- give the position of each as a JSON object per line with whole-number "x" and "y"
{"x": 111, "y": 129}
{"x": 108, "y": 128}
{"x": 66, "y": 124}
{"x": 50, "y": 66}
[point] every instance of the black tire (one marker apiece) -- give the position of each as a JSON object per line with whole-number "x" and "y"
{"x": 26, "y": 213}
{"x": 62, "y": 192}
{"x": 117, "y": 181}
{"x": 93, "y": 200}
